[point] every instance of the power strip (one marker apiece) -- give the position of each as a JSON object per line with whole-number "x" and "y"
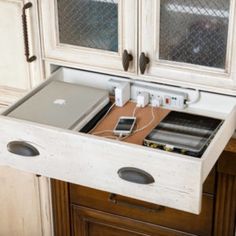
{"x": 162, "y": 97}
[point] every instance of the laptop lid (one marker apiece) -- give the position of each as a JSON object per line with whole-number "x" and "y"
{"x": 60, "y": 104}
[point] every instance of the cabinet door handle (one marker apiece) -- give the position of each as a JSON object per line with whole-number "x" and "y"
{"x": 126, "y": 59}
{"x": 112, "y": 198}
{"x": 135, "y": 175}
{"x": 25, "y": 32}
{"x": 22, "y": 148}
{"x": 143, "y": 62}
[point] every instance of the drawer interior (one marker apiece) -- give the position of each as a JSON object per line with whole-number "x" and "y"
{"x": 93, "y": 161}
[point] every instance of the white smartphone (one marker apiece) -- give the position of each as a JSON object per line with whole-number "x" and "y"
{"x": 124, "y": 125}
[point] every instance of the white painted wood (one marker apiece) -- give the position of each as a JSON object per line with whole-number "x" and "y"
{"x": 45, "y": 206}
{"x": 87, "y": 57}
{"x": 19, "y": 203}
{"x": 178, "y": 74}
{"x": 145, "y": 78}
{"x": 36, "y": 198}
{"x": 92, "y": 161}
{"x": 221, "y": 139}
{"x": 25, "y": 203}
{"x": 2, "y": 108}
{"x": 15, "y": 72}
{"x": 209, "y": 104}
{"x": 20, "y": 196}
{"x": 10, "y": 95}
{"x": 183, "y": 73}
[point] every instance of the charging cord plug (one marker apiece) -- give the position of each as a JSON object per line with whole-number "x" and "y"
{"x": 156, "y": 101}
{"x": 142, "y": 99}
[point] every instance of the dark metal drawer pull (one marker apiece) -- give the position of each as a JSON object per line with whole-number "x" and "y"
{"x": 22, "y": 148}
{"x": 113, "y": 199}
{"x": 25, "y": 31}
{"x": 135, "y": 175}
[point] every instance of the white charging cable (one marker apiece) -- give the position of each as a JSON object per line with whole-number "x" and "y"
{"x": 121, "y": 137}
{"x": 142, "y": 128}
{"x": 148, "y": 124}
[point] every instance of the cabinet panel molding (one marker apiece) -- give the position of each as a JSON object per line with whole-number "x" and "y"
{"x": 225, "y": 213}
{"x": 89, "y": 222}
{"x": 19, "y": 203}
{"x": 61, "y": 208}
{"x": 16, "y": 73}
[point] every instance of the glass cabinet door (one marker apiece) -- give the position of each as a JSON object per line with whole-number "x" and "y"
{"x": 93, "y": 33}
{"x": 89, "y": 23}
{"x": 191, "y": 42}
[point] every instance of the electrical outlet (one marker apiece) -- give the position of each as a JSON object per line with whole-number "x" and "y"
{"x": 162, "y": 97}
{"x": 174, "y": 100}
{"x": 156, "y": 101}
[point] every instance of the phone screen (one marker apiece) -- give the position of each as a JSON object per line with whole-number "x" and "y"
{"x": 125, "y": 124}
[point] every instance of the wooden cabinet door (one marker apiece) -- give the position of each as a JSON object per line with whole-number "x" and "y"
{"x": 16, "y": 74}
{"x": 92, "y": 34}
{"x": 89, "y": 222}
{"x": 189, "y": 43}
{"x": 19, "y": 203}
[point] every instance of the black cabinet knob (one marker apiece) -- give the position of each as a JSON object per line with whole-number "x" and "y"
{"x": 126, "y": 59}
{"x": 143, "y": 62}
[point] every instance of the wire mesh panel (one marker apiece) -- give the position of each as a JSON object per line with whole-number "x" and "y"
{"x": 89, "y": 23}
{"x": 194, "y": 31}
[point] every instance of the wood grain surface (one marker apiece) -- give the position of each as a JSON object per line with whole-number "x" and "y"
{"x": 143, "y": 116}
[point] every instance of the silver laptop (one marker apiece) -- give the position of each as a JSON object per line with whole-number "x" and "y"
{"x": 62, "y": 104}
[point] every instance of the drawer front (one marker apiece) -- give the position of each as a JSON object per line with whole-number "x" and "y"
{"x": 135, "y": 171}
{"x": 143, "y": 211}
{"x": 91, "y": 222}
{"x": 95, "y": 162}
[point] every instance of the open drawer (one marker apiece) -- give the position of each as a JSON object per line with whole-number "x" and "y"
{"x": 170, "y": 179}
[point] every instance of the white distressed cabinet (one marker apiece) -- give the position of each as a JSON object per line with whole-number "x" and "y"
{"x": 16, "y": 73}
{"x": 19, "y": 203}
{"x": 93, "y": 34}
{"x": 190, "y": 43}
{"x": 23, "y": 204}
{"x": 125, "y": 42}
{"x": 187, "y": 44}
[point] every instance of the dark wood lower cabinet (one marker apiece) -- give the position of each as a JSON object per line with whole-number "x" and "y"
{"x": 81, "y": 211}
{"x": 90, "y": 222}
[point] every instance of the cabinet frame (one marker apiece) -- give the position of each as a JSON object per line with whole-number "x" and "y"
{"x": 34, "y": 70}
{"x": 89, "y": 58}
{"x": 184, "y": 74}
